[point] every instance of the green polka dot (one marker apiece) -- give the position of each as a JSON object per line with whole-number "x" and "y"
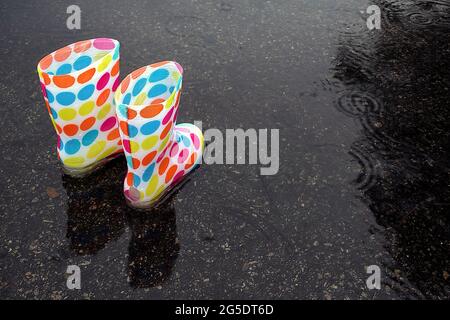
{"x": 67, "y": 114}
{"x": 149, "y": 142}
{"x": 86, "y": 108}
{"x": 104, "y": 111}
{"x": 95, "y": 149}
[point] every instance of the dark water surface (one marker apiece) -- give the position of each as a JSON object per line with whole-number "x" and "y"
{"x": 364, "y": 154}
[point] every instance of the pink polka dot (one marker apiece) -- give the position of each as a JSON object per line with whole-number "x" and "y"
{"x": 108, "y": 124}
{"x": 116, "y": 84}
{"x": 178, "y": 177}
{"x": 126, "y": 145}
{"x": 167, "y": 117}
{"x": 104, "y": 44}
{"x": 174, "y": 150}
{"x": 195, "y": 141}
{"x": 183, "y": 156}
{"x": 103, "y": 81}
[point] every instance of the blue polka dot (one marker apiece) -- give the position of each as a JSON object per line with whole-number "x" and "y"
{"x": 140, "y": 84}
{"x": 158, "y": 75}
{"x": 129, "y": 161}
{"x": 132, "y": 131}
{"x": 65, "y": 98}
{"x": 157, "y": 90}
{"x": 127, "y": 99}
{"x": 171, "y": 89}
{"x": 54, "y": 113}
{"x": 61, "y": 145}
{"x": 86, "y": 92}
{"x": 64, "y": 69}
{"x": 89, "y": 137}
{"x": 186, "y": 140}
{"x": 72, "y": 146}
{"x": 82, "y": 62}
{"x": 136, "y": 181}
{"x": 123, "y": 111}
{"x": 50, "y": 96}
{"x": 150, "y": 127}
{"x": 148, "y": 173}
{"x": 116, "y": 53}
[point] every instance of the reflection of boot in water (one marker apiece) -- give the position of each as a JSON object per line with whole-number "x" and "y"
{"x": 96, "y": 209}
{"x": 153, "y": 247}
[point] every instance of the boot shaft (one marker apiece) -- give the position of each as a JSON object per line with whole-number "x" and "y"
{"x": 78, "y": 83}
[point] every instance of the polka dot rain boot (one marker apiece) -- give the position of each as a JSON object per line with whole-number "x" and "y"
{"x": 78, "y": 83}
{"x": 159, "y": 152}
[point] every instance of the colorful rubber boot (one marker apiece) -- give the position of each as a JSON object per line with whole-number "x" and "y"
{"x": 159, "y": 152}
{"x": 78, "y": 83}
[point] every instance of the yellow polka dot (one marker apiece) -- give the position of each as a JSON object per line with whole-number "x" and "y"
{"x": 102, "y": 66}
{"x": 152, "y": 185}
{"x": 104, "y": 111}
{"x": 149, "y": 142}
{"x": 96, "y": 148}
{"x": 175, "y": 75}
{"x": 107, "y": 152}
{"x": 86, "y": 108}
{"x": 100, "y": 55}
{"x": 140, "y": 98}
{"x": 134, "y": 146}
{"x": 164, "y": 143}
{"x": 169, "y": 101}
{"x": 67, "y": 114}
{"x": 73, "y": 161}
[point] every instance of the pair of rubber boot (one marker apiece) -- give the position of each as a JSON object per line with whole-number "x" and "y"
{"x": 97, "y": 117}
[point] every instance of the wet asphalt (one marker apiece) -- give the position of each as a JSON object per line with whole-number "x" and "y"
{"x": 364, "y": 155}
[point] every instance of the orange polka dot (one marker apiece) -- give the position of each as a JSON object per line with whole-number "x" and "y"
{"x": 46, "y": 79}
{"x": 163, "y": 166}
{"x": 166, "y": 130}
{"x": 138, "y": 72}
{"x": 157, "y": 101}
{"x": 70, "y": 129}
{"x": 151, "y": 110}
{"x": 149, "y": 158}
{"x": 171, "y": 172}
{"x": 63, "y": 81}
{"x": 103, "y": 97}
{"x": 125, "y": 84}
{"x": 86, "y": 76}
{"x": 158, "y": 64}
{"x": 87, "y": 124}
{"x": 119, "y": 143}
{"x": 62, "y": 54}
{"x": 115, "y": 68}
{"x": 124, "y": 127}
{"x": 191, "y": 161}
{"x": 129, "y": 178}
{"x": 131, "y": 114}
{"x": 82, "y": 46}
{"x": 114, "y": 134}
{"x": 136, "y": 163}
{"x": 46, "y": 62}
